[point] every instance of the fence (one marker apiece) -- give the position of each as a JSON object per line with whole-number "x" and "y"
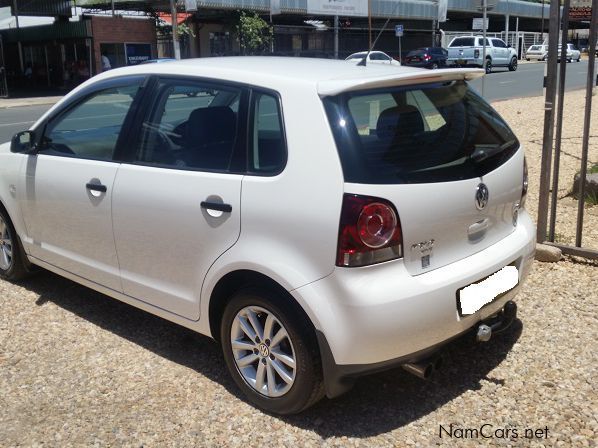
{"x": 546, "y": 230}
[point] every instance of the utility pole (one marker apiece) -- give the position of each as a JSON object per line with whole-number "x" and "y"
{"x": 485, "y": 17}
{"x": 507, "y": 18}
{"x": 370, "y": 23}
{"x": 20, "y": 47}
{"x": 175, "y": 40}
{"x": 335, "y": 37}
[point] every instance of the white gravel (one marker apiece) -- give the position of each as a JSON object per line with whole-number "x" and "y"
{"x": 80, "y": 369}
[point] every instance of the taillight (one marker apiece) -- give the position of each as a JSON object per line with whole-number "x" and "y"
{"x": 476, "y": 53}
{"x": 524, "y": 185}
{"x": 369, "y": 232}
{"x": 427, "y": 57}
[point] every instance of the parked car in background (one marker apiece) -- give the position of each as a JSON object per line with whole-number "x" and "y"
{"x": 536, "y": 53}
{"x": 573, "y": 54}
{"x": 375, "y": 57}
{"x": 468, "y": 50}
{"x": 427, "y": 57}
{"x": 196, "y": 208}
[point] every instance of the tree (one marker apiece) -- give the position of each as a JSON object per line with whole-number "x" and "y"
{"x": 253, "y": 33}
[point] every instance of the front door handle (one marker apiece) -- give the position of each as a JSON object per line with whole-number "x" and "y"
{"x": 218, "y": 206}
{"x": 96, "y": 187}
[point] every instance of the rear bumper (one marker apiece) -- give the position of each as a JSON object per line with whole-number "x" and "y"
{"x": 378, "y": 315}
{"x": 457, "y": 62}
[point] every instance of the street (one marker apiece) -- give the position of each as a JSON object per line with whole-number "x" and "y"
{"x": 500, "y": 85}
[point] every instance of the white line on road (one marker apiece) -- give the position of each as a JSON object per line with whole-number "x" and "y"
{"x": 12, "y": 124}
{"x": 506, "y": 82}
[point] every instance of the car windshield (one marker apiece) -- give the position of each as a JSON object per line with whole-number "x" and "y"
{"x": 428, "y": 133}
{"x": 534, "y": 48}
{"x": 416, "y": 53}
{"x": 357, "y": 55}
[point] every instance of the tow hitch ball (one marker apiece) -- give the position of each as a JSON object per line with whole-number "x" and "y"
{"x": 501, "y": 323}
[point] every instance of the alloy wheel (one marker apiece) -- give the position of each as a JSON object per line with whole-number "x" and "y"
{"x": 5, "y": 246}
{"x": 263, "y": 351}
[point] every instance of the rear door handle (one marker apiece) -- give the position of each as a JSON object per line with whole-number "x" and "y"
{"x": 96, "y": 187}
{"x": 218, "y": 206}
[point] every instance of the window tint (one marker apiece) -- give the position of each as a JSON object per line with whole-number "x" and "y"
{"x": 463, "y": 42}
{"x": 191, "y": 126}
{"x": 434, "y": 133}
{"x": 91, "y": 128}
{"x": 268, "y": 144}
{"x": 499, "y": 43}
{"x": 481, "y": 42}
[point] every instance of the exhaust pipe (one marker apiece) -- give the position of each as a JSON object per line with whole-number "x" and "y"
{"x": 424, "y": 368}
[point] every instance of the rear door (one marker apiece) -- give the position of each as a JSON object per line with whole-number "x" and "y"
{"x": 501, "y": 52}
{"x": 177, "y": 202}
{"x": 443, "y": 157}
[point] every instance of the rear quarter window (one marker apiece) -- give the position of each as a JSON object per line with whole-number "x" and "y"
{"x": 430, "y": 133}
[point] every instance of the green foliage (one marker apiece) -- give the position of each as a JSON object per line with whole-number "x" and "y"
{"x": 253, "y": 33}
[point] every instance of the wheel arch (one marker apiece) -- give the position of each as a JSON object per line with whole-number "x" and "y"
{"x": 234, "y": 281}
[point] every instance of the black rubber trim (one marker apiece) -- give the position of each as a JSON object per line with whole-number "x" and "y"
{"x": 226, "y": 208}
{"x": 96, "y": 187}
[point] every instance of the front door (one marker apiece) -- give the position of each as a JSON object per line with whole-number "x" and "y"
{"x": 176, "y": 206}
{"x": 67, "y": 187}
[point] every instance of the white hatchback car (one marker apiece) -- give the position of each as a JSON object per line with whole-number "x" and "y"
{"x": 321, "y": 220}
{"x": 373, "y": 57}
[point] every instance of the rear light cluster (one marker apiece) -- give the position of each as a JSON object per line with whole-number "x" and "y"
{"x": 524, "y": 186}
{"x": 476, "y": 53}
{"x": 369, "y": 232}
{"x": 427, "y": 57}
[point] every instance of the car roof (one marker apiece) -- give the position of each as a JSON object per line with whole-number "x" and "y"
{"x": 328, "y": 77}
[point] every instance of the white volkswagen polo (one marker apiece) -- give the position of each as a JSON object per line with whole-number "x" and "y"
{"x": 321, "y": 220}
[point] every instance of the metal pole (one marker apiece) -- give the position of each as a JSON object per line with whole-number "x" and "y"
{"x": 586, "y": 122}
{"x": 112, "y": 8}
{"x": 542, "y": 26}
{"x": 507, "y": 24}
{"x": 517, "y": 37}
{"x": 335, "y": 37}
{"x": 175, "y": 40}
{"x": 400, "y": 51}
{"x": 485, "y": 8}
{"x": 548, "y": 121}
{"x": 19, "y": 45}
{"x": 370, "y": 23}
{"x": 559, "y": 124}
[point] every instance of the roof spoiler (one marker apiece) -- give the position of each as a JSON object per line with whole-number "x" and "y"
{"x": 340, "y": 85}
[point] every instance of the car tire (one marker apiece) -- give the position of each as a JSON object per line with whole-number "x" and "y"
{"x": 569, "y": 60}
{"x": 13, "y": 265}
{"x": 527, "y": 59}
{"x": 255, "y": 362}
{"x": 579, "y": 59}
{"x": 434, "y": 66}
{"x": 513, "y": 64}
{"x": 488, "y": 66}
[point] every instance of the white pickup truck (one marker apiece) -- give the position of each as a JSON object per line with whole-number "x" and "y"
{"x": 468, "y": 50}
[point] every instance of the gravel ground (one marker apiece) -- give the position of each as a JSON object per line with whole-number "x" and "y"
{"x": 78, "y": 368}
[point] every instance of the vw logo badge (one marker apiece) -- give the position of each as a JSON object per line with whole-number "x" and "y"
{"x": 481, "y": 196}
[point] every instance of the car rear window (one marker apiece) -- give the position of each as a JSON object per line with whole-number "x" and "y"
{"x": 463, "y": 42}
{"x": 427, "y": 133}
{"x": 535, "y": 47}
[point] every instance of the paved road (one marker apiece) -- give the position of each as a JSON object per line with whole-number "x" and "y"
{"x": 18, "y": 119}
{"x": 527, "y": 80}
{"x": 500, "y": 85}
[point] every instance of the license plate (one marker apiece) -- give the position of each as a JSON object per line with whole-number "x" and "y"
{"x": 461, "y": 62}
{"x": 416, "y": 59}
{"x": 473, "y": 297}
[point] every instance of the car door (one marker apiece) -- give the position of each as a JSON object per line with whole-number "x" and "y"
{"x": 67, "y": 186}
{"x": 177, "y": 202}
{"x": 501, "y": 52}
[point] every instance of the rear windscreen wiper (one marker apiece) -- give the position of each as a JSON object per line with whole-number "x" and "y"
{"x": 482, "y": 152}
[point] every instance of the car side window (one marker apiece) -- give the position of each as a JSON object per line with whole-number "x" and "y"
{"x": 499, "y": 43}
{"x": 190, "y": 125}
{"x": 268, "y": 151}
{"x": 378, "y": 57}
{"x": 90, "y": 129}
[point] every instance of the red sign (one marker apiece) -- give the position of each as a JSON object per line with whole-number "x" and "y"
{"x": 580, "y": 10}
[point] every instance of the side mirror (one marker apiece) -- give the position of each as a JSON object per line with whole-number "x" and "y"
{"x": 23, "y": 142}
{"x": 508, "y": 45}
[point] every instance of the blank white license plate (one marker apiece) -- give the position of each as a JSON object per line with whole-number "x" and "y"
{"x": 475, "y": 296}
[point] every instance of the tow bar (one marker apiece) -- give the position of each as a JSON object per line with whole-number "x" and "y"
{"x": 497, "y": 324}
